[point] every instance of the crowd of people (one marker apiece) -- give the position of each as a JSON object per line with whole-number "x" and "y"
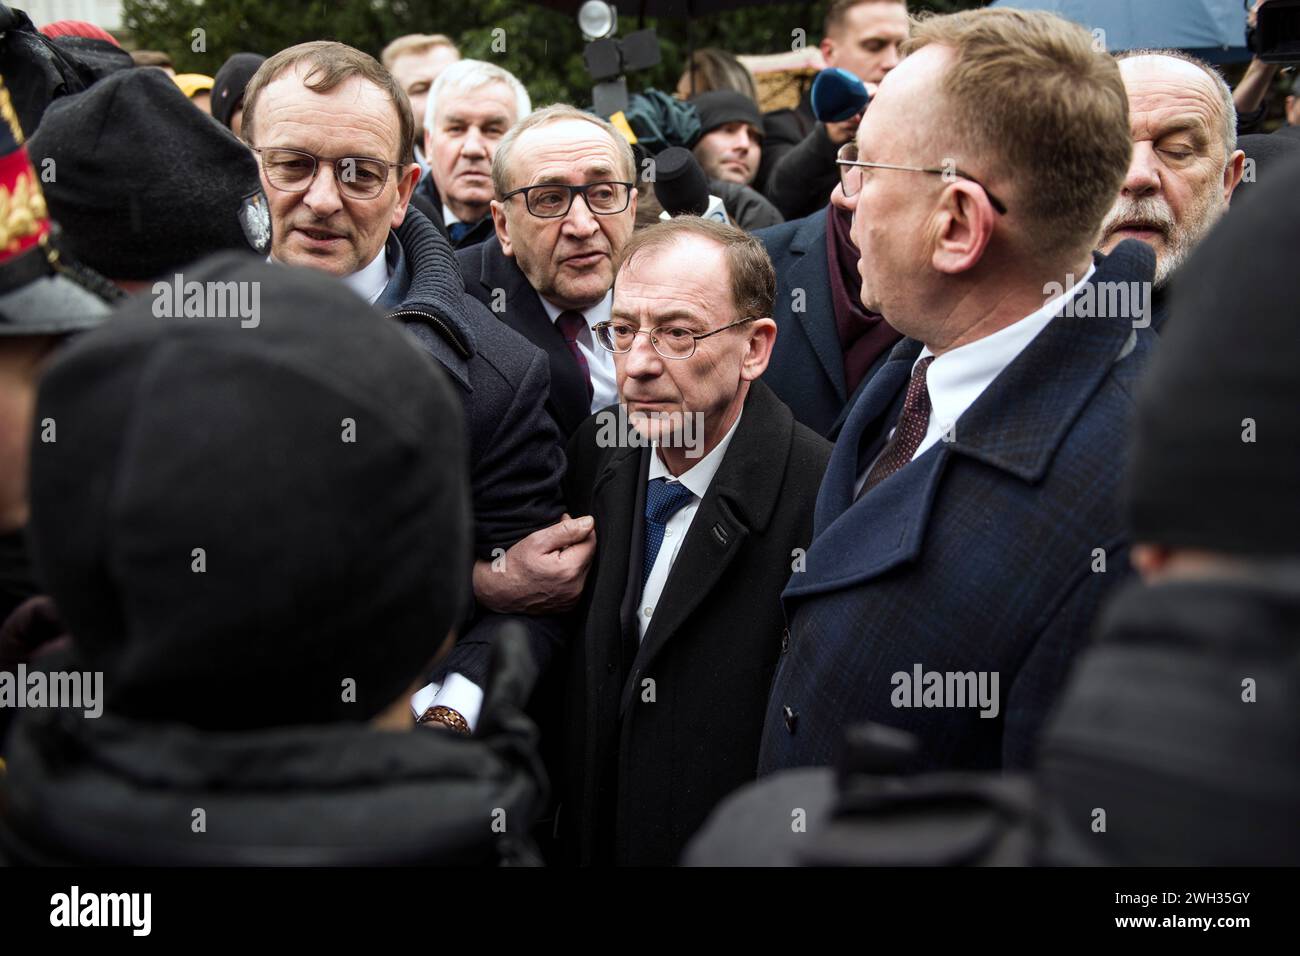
{"x": 386, "y": 479}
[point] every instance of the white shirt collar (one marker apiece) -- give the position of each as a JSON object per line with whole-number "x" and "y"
{"x": 593, "y": 314}
{"x": 699, "y": 476}
{"x": 369, "y": 282}
{"x": 448, "y": 217}
{"x": 956, "y": 379}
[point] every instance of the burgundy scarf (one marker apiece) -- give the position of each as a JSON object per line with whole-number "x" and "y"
{"x": 864, "y": 336}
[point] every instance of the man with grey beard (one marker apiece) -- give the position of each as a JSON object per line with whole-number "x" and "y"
{"x": 1185, "y": 162}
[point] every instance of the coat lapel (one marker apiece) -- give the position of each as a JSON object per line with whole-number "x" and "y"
{"x": 808, "y": 272}
{"x": 741, "y": 500}
{"x": 524, "y": 313}
{"x": 1015, "y": 426}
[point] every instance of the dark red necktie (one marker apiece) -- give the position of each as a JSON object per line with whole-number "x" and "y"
{"x": 910, "y": 431}
{"x": 570, "y": 324}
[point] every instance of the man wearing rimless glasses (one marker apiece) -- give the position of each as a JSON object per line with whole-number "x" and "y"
{"x": 334, "y": 137}
{"x": 969, "y": 521}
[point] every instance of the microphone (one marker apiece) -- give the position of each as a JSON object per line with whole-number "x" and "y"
{"x": 838, "y": 95}
{"x": 682, "y": 188}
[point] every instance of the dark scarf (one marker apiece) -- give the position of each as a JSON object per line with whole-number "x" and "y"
{"x": 864, "y": 335}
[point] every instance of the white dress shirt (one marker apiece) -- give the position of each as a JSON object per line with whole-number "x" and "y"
{"x": 448, "y": 217}
{"x": 697, "y": 479}
{"x": 369, "y": 282}
{"x": 957, "y": 378}
{"x": 599, "y": 360}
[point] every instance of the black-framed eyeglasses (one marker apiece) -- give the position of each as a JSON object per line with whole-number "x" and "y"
{"x": 554, "y": 200}
{"x": 851, "y": 174}
{"x": 294, "y": 170}
{"x": 670, "y": 341}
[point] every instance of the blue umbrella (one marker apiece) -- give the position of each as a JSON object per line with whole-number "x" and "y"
{"x": 1214, "y": 30}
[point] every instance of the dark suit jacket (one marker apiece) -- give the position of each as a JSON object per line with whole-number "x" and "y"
{"x": 426, "y": 199}
{"x": 642, "y": 776}
{"x": 516, "y": 459}
{"x": 979, "y": 555}
{"x": 807, "y": 366}
{"x": 487, "y": 269}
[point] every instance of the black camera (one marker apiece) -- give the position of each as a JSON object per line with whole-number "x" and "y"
{"x": 1277, "y": 32}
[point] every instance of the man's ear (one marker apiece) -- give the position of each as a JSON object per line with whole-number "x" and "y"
{"x": 405, "y": 186}
{"x": 503, "y": 227}
{"x": 1232, "y": 174}
{"x": 762, "y": 338}
{"x": 428, "y": 147}
{"x": 827, "y": 46}
{"x": 964, "y": 224}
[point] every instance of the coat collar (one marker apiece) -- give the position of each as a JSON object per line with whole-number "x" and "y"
{"x": 810, "y": 272}
{"x": 740, "y": 502}
{"x": 426, "y": 293}
{"x": 1015, "y": 426}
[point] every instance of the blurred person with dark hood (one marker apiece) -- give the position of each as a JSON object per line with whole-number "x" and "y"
{"x": 1185, "y": 162}
{"x": 1174, "y": 742}
{"x": 228, "y": 89}
{"x": 864, "y": 37}
{"x": 258, "y": 597}
{"x": 334, "y": 137}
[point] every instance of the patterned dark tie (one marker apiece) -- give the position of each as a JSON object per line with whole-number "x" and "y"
{"x": 459, "y": 230}
{"x": 908, "y": 433}
{"x": 571, "y": 324}
{"x": 663, "y": 499}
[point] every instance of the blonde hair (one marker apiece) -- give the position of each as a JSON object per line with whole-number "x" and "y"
{"x": 1029, "y": 94}
{"x": 412, "y": 44}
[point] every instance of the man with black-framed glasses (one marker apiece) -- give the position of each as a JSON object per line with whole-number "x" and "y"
{"x": 701, "y": 486}
{"x": 564, "y": 207}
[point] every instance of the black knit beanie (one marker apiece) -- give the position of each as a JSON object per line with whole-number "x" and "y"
{"x": 252, "y": 520}
{"x": 230, "y": 82}
{"x": 143, "y": 182}
{"x": 720, "y": 107}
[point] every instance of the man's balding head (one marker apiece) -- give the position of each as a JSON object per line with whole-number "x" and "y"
{"x": 1185, "y": 162}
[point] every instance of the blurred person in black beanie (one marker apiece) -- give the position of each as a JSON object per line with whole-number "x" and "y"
{"x": 228, "y": 89}
{"x": 260, "y": 595}
{"x": 143, "y": 183}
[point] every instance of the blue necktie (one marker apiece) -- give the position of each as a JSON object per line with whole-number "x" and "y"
{"x": 662, "y": 501}
{"x": 458, "y": 231}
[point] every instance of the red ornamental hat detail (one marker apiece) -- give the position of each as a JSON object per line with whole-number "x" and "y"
{"x": 24, "y": 219}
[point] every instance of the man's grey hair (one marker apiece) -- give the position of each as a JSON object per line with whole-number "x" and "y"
{"x": 466, "y": 76}
{"x": 555, "y": 113}
{"x": 1225, "y": 94}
